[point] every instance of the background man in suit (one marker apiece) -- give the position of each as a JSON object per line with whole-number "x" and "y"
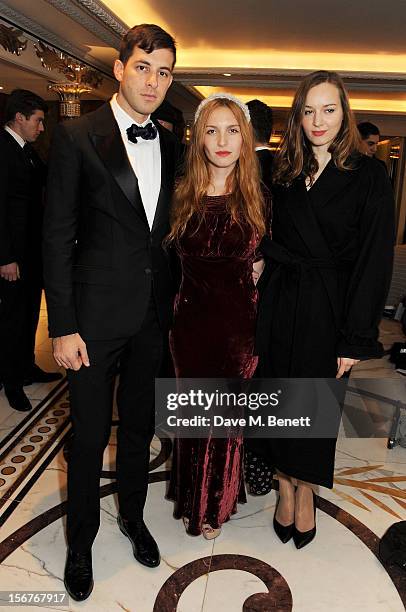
{"x": 370, "y": 136}
{"x": 109, "y": 288}
{"x": 261, "y": 120}
{"x": 262, "y": 123}
{"x": 22, "y": 178}
{"x": 369, "y": 133}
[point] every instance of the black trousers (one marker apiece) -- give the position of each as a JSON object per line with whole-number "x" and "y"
{"x": 91, "y": 396}
{"x": 19, "y": 313}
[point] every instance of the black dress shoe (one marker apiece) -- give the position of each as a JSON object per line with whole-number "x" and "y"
{"x": 145, "y": 548}
{"x": 284, "y": 532}
{"x": 17, "y": 399}
{"x": 303, "y": 538}
{"x": 78, "y": 577}
{"x": 36, "y": 375}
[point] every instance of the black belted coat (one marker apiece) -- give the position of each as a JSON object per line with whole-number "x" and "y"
{"x": 328, "y": 271}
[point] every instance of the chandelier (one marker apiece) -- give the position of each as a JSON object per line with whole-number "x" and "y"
{"x": 80, "y": 79}
{"x": 69, "y": 93}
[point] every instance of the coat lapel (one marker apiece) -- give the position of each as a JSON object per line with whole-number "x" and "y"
{"x": 106, "y": 138}
{"x": 304, "y": 218}
{"x": 329, "y": 184}
{"x": 299, "y": 201}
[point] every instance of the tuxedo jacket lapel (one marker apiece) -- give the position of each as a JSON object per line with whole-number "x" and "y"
{"x": 107, "y": 140}
{"x": 161, "y": 213}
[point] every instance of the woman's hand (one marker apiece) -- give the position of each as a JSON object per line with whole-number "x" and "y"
{"x": 344, "y": 364}
{"x": 257, "y": 269}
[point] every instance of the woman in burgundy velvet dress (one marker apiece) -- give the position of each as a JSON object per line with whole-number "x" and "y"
{"x": 217, "y": 223}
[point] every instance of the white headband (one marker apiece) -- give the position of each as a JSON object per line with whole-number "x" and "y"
{"x": 227, "y": 96}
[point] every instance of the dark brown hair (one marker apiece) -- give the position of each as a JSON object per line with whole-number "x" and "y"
{"x": 367, "y": 129}
{"x": 24, "y": 102}
{"x": 295, "y": 156}
{"x": 261, "y": 120}
{"x": 147, "y": 37}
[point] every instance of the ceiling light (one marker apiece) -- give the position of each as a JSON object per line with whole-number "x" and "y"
{"x": 226, "y": 73}
{"x": 1, "y": 87}
{"x": 393, "y": 105}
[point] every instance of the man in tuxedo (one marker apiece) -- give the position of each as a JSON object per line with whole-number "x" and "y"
{"x": 109, "y": 289}
{"x": 22, "y": 179}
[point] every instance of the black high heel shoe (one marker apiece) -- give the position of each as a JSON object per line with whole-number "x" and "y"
{"x": 284, "y": 532}
{"x": 303, "y": 538}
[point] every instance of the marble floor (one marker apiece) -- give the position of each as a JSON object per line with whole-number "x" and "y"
{"x": 245, "y": 568}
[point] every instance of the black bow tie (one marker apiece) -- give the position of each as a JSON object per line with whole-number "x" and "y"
{"x": 135, "y": 131}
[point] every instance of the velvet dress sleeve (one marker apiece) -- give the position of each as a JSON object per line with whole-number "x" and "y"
{"x": 370, "y": 279}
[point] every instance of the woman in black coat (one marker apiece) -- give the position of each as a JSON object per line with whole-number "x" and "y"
{"x": 328, "y": 271}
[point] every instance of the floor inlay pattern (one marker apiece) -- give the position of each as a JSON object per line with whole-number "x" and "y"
{"x": 32, "y": 443}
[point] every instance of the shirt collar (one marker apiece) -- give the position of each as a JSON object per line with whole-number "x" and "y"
{"x": 122, "y": 117}
{"x": 16, "y": 136}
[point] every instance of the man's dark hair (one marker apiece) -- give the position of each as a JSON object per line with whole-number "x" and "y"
{"x": 147, "y": 37}
{"x": 24, "y": 102}
{"x": 366, "y": 129}
{"x": 261, "y": 119}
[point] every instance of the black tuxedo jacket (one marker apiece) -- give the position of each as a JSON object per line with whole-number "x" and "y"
{"x": 21, "y": 185}
{"x": 101, "y": 260}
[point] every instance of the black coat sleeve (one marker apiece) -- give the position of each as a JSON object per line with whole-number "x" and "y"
{"x": 59, "y": 232}
{"x": 6, "y": 248}
{"x": 370, "y": 279}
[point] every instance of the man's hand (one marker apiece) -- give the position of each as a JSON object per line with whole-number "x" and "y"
{"x": 10, "y": 272}
{"x": 70, "y": 352}
{"x": 344, "y": 364}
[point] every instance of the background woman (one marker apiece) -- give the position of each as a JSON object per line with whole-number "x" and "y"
{"x": 216, "y": 225}
{"x": 331, "y": 257}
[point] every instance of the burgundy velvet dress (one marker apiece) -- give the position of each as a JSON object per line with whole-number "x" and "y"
{"x": 212, "y": 337}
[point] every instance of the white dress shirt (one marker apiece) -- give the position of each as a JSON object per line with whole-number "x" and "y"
{"x": 145, "y": 159}
{"x": 16, "y": 136}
